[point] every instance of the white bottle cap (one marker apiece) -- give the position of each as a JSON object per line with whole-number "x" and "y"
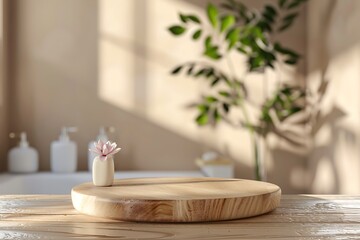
{"x": 102, "y": 135}
{"x": 64, "y": 136}
{"x": 23, "y": 140}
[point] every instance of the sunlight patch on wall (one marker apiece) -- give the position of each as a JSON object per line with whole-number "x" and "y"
{"x": 116, "y": 58}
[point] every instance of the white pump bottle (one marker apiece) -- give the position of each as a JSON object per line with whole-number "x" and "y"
{"x": 23, "y": 159}
{"x": 64, "y": 152}
{"x": 103, "y": 137}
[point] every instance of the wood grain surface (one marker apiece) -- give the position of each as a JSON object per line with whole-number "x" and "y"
{"x": 177, "y": 199}
{"x": 297, "y": 217}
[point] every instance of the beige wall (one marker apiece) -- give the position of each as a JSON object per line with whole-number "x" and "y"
{"x": 88, "y": 63}
{"x": 334, "y": 56}
{"x": 3, "y": 85}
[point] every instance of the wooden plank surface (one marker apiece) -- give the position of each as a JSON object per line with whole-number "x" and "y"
{"x": 297, "y": 217}
{"x": 177, "y": 199}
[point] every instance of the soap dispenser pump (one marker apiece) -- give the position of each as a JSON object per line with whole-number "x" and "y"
{"x": 101, "y": 136}
{"x": 64, "y": 152}
{"x": 23, "y": 158}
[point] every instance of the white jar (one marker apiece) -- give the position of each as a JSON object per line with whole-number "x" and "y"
{"x": 103, "y": 172}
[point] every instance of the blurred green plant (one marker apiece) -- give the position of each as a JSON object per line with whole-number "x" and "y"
{"x": 237, "y": 29}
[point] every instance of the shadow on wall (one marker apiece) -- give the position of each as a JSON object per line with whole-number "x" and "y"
{"x": 333, "y": 63}
{"x": 324, "y": 175}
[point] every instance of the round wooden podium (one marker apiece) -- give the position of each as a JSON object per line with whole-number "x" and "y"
{"x": 177, "y": 199}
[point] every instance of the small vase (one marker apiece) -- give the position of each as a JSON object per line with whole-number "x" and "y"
{"x": 103, "y": 172}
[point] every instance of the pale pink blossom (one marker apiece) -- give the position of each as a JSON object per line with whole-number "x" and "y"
{"x": 105, "y": 149}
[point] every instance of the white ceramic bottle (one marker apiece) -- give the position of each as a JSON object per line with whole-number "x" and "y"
{"x": 103, "y": 166}
{"x": 103, "y": 171}
{"x": 23, "y": 159}
{"x": 91, "y": 155}
{"x": 64, "y": 152}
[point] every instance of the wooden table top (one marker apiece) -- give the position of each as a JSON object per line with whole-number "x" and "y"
{"x": 298, "y": 217}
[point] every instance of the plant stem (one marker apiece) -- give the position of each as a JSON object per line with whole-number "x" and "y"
{"x": 248, "y": 124}
{"x": 257, "y": 159}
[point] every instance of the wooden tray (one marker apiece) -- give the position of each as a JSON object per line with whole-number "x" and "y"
{"x": 177, "y": 199}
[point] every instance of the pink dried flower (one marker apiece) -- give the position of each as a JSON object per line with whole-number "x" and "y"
{"x": 105, "y": 149}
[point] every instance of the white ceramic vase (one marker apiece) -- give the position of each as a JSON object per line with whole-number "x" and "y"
{"x": 103, "y": 172}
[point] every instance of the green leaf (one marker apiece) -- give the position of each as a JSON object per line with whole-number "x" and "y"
{"x": 291, "y": 61}
{"x": 217, "y": 115}
{"x": 282, "y": 3}
{"x": 268, "y": 17}
{"x": 226, "y": 107}
{"x": 213, "y": 53}
{"x": 215, "y": 81}
{"x": 190, "y": 70}
{"x": 232, "y": 37}
{"x": 242, "y": 50}
{"x": 265, "y": 26}
{"x": 208, "y": 42}
{"x": 177, "y": 30}
{"x": 246, "y": 41}
{"x": 258, "y": 33}
{"x": 176, "y": 70}
{"x": 197, "y": 34}
{"x": 212, "y": 13}
{"x": 200, "y": 72}
{"x": 270, "y": 9}
{"x": 211, "y": 99}
{"x": 204, "y": 71}
{"x": 203, "y": 108}
{"x": 268, "y": 56}
{"x": 209, "y": 72}
{"x": 194, "y": 18}
{"x": 265, "y": 116}
{"x": 285, "y": 26}
{"x": 186, "y": 18}
{"x": 227, "y": 22}
{"x": 202, "y": 119}
{"x": 226, "y": 79}
{"x": 224, "y": 93}
{"x": 290, "y": 16}
{"x": 285, "y": 51}
{"x": 292, "y": 56}
{"x": 287, "y": 21}
{"x": 255, "y": 63}
{"x": 183, "y": 18}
